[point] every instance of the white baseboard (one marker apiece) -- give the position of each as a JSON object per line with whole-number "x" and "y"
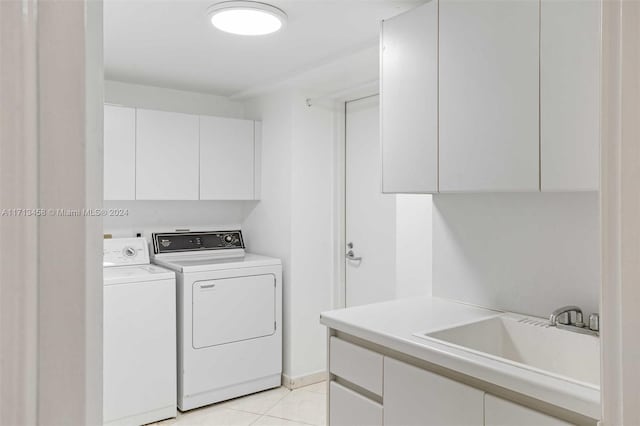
{"x": 306, "y": 380}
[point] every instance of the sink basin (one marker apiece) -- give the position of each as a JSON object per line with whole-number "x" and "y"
{"x": 527, "y": 342}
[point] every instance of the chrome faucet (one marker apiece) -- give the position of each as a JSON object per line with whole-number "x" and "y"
{"x": 563, "y": 319}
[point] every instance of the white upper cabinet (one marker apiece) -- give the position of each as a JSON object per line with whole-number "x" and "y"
{"x": 226, "y": 159}
{"x": 489, "y": 95}
{"x": 570, "y": 95}
{"x": 119, "y": 153}
{"x": 409, "y": 101}
{"x": 167, "y": 157}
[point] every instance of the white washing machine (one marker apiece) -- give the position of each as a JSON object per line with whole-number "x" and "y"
{"x": 139, "y": 344}
{"x": 229, "y": 315}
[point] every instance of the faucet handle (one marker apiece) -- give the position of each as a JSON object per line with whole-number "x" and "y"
{"x": 594, "y": 322}
{"x": 563, "y": 315}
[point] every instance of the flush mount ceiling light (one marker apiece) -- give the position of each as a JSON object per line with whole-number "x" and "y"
{"x": 246, "y": 17}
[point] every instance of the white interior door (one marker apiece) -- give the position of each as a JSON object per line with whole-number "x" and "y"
{"x": 370, "y": 276}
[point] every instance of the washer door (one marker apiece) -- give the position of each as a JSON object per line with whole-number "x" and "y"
{"x": 228, "y": 310}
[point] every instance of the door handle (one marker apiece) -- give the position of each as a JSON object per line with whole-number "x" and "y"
{"x": 351, "y": 256}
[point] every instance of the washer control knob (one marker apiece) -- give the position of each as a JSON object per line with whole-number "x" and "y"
{"x": 129, "y": 251}
{"x": 228, "y": 238}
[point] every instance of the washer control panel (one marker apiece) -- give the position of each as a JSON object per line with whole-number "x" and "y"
{"x": 125, "y": 251}
{"x": 176, "y": 242}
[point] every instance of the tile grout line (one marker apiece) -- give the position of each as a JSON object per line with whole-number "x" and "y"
{"x": 266, "y": 411}
{"x": 288, "y": 420}
{"x": 291, "y": 391}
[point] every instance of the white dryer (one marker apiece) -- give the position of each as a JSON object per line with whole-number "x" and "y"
{"x": 229, "y": 315}
{"x": 139, "y": 344}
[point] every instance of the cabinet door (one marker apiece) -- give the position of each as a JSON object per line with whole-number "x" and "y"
{"x": 413, "y": 396}
{"x": 166, "y": 156}
{"x": 348, "y": 408}
{"x": 409, "y": 101}
{"x": 226, "y": 159}
{"x": 489, "y": 95}
{"x": 570, "y": 95}
{"x": 119, "y": 153}
{"x": 499, "y": 412}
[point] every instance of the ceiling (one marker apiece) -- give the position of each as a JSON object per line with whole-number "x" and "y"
{"x": 170, "y": 43}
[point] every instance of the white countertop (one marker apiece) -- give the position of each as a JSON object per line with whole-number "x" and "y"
{"x": 392, "y": 325}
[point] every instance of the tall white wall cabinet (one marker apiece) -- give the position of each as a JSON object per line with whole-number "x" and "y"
{"x": 409, "y": 101}
{"x": 166, "y": 156}
{"x": 570, "y": 95}
{"x": 485, "y": 96}
{"x": 159, "y": 155}
{"x": 119, "y": 153}
{"x": 488, "y": 83}
{"x": 226, "y": 159}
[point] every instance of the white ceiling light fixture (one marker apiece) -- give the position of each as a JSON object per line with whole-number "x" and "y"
{"x": 246, "y": 17}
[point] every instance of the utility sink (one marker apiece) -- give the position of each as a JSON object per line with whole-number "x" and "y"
{"x": 529, "y": 343}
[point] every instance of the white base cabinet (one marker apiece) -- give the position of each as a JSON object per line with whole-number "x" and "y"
{"x": 349, "y": 408}
{"x": 413, "y": 396}
{"x": 499, "y": 412}
{"x": 416, "y": 397}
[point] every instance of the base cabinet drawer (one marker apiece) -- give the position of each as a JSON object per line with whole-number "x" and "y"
{"x": 499, "y": 412}
{"x": 355, "y": 364}
{"x": 416, "y": 397}
{"x": 349, "y": 408}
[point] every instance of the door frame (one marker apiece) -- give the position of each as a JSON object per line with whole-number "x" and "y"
{"x": 620, "y": 212}
{"x": 338, "y": 102}
{"x": 52, "y": 299}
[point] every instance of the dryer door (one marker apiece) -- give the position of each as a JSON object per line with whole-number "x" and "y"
{"x": 228, "y": 310}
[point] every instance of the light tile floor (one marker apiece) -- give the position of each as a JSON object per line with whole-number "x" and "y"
{"x": 275, "y": 407}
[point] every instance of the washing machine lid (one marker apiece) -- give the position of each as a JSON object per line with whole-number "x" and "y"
{"x": 135, "y": 274}
{"x": 205, "y": 263}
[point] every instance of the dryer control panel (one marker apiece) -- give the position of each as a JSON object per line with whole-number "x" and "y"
{"x": 177, "y": 242}
{"x": 125, "y": 251}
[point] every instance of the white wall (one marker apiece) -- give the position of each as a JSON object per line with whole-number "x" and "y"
{"x": 162, "y": 214}
{"x": 413, "y": 245}
{"x": 294, "y": 219}
{"x": 268, "y": 224}
{"x": 527, "y": 253}
{"x": 312, "y": 234}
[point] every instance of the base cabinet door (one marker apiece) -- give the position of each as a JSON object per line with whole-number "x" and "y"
{"x": 413, "y": 396}
{"x": 499, "y": 412}
{"x": 349, "y": 408}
